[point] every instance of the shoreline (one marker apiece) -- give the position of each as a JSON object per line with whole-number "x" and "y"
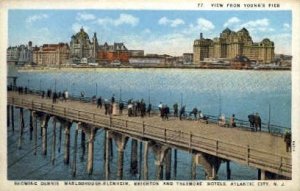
{"x": 48, "y": 68}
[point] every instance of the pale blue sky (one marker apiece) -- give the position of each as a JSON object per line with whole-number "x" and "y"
{"x": 158, "y": 31}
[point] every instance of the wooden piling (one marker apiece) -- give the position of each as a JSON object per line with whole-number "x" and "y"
{"x": 53, "y": 142}
{"x": 67, "y": 143}
{"x": 30, "y": 126}
{"x": 228, "y": 171}
{"x": 120, "y": 163}
{"x": 263, "y": 175}
{"x": 145, "y": 161}
{"x": 168, "y": 162}
{"x": 82, "y": 145}
{"x": 140, "y": 160}
{"x": 44, "y": 137}
{"x": 12, "y": 119}
{"x": 175, "y": 164}
{"x": 59, "y": 136}
{"x": 90, "y": 160}
{"x": 107, "y": 156}
{"x": 75, "y": 152}
{"x": 34, "y": 121}
{"x": 159, "y": 171}
{"x": 21, "y": 128}
{"x": 194, "y": 167}
{"x": 133, "y": 162}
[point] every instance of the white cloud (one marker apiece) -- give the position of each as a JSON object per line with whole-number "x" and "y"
{"x": 257, "y": 23}
{"x": 77, "y": 26}
{"x": 231, "y": 21}
{"x": 85, "y": 17}
{"x": 286, "y": 25}
{"x": 123, "y": 19}
{"x": 170, "y": 22}
{"x": 282, "y": 43}
{"x": 173, "y": 44}
{"x": 201, "y": 25}
{"x": 34, "y": 18}
{"x": 205, "y": 25}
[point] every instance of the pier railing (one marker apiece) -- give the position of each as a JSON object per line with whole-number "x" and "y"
{"x": 279, "y": 164}
{"x": 240, "y": 123}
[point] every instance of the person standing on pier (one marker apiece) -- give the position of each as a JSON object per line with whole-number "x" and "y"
{"x": 99, "y": 102}
{"x": 160, "y": 106}
{"x": 287, "y": 140}
{"x": 149, "y": 109}
{"x": 181, "y": 112}
{"x": 232, "y": 121}
{"x": 175, "y": 108}
{"x": 113, "y": 99}
{"x": 257, "y": 122}
{"x": 121, "y": 107}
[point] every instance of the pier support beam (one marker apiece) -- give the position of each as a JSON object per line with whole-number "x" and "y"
{"x": 82, "y": 143}
{"x": 134, "y": 162}
{"x": 91, "y": 132}
{"x": 74, "y": 167}
{"x": 266, "y": 175}
{"x": 67, "y": 126}
{"x": 12, "y": 119}
{"x": 168, "y": 162}
{"x": 44, "y": 125}
{"x": 146, "y": 160}
{"x": 210, "y": 164}
{"x": 175, "y": 164}
{"x": 34, "y": 121}
{"x": 159, "y": 155}
{"x": 30, "y": 126}
{"x": 121, "y": 141}
{"x": 21, "y": 121}
{"x": 53, "y": 142}
{"x": 140, "y": 160}
{"x": 59, "y": 135}
{"x": 194, "y": 167}
{"x": 228, "y": 170}
{"x": 107, "y": 154}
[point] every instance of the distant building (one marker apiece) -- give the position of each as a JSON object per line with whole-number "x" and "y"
{"x": 231, "y": 44}
{"x": 114, "y": 52}
{"x": 51, "y": 54}
{"x": 240, "y": 62}
{"x": 20, "y": 54}
{"x": 187, "y": 58}
{"x": 133, "y": 53}
{"x": 82, "y": 47}
{"x": 148, "y": 60}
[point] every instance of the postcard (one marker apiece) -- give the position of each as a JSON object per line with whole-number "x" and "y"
{"x": 199, "y": 95}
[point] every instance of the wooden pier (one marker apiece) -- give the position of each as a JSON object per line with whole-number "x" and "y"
{"x": 210, "y": 144}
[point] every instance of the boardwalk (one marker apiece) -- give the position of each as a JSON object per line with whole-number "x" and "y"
{"x": 256, "y": 149}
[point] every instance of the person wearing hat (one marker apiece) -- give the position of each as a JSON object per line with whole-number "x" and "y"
{"x": 287, "y": 140}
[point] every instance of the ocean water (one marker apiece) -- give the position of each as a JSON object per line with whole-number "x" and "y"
{"x": 212, "y": 91}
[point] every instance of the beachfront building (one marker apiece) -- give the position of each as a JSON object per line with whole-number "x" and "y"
{"x": 117, "y": 52}
{"x": 21, "y": 55}
{"x": 231, "y": 44}
{"x": 81, "y": 47}
{"x": 51, "y": 54}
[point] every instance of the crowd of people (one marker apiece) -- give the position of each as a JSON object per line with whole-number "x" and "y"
{"x": 139, "y": 108}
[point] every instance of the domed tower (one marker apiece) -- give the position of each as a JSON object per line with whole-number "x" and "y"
{"x": 81, "y": 46}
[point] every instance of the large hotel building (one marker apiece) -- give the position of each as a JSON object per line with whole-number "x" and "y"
{"x": 231, "y": 44}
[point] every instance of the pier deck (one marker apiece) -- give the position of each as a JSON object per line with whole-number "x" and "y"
{"x": 256, "y": 149}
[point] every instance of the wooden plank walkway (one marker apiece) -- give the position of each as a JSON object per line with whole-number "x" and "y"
{"x": 256, "y": 149}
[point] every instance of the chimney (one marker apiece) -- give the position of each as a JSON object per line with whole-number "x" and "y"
{"x": 201, "y": 36}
